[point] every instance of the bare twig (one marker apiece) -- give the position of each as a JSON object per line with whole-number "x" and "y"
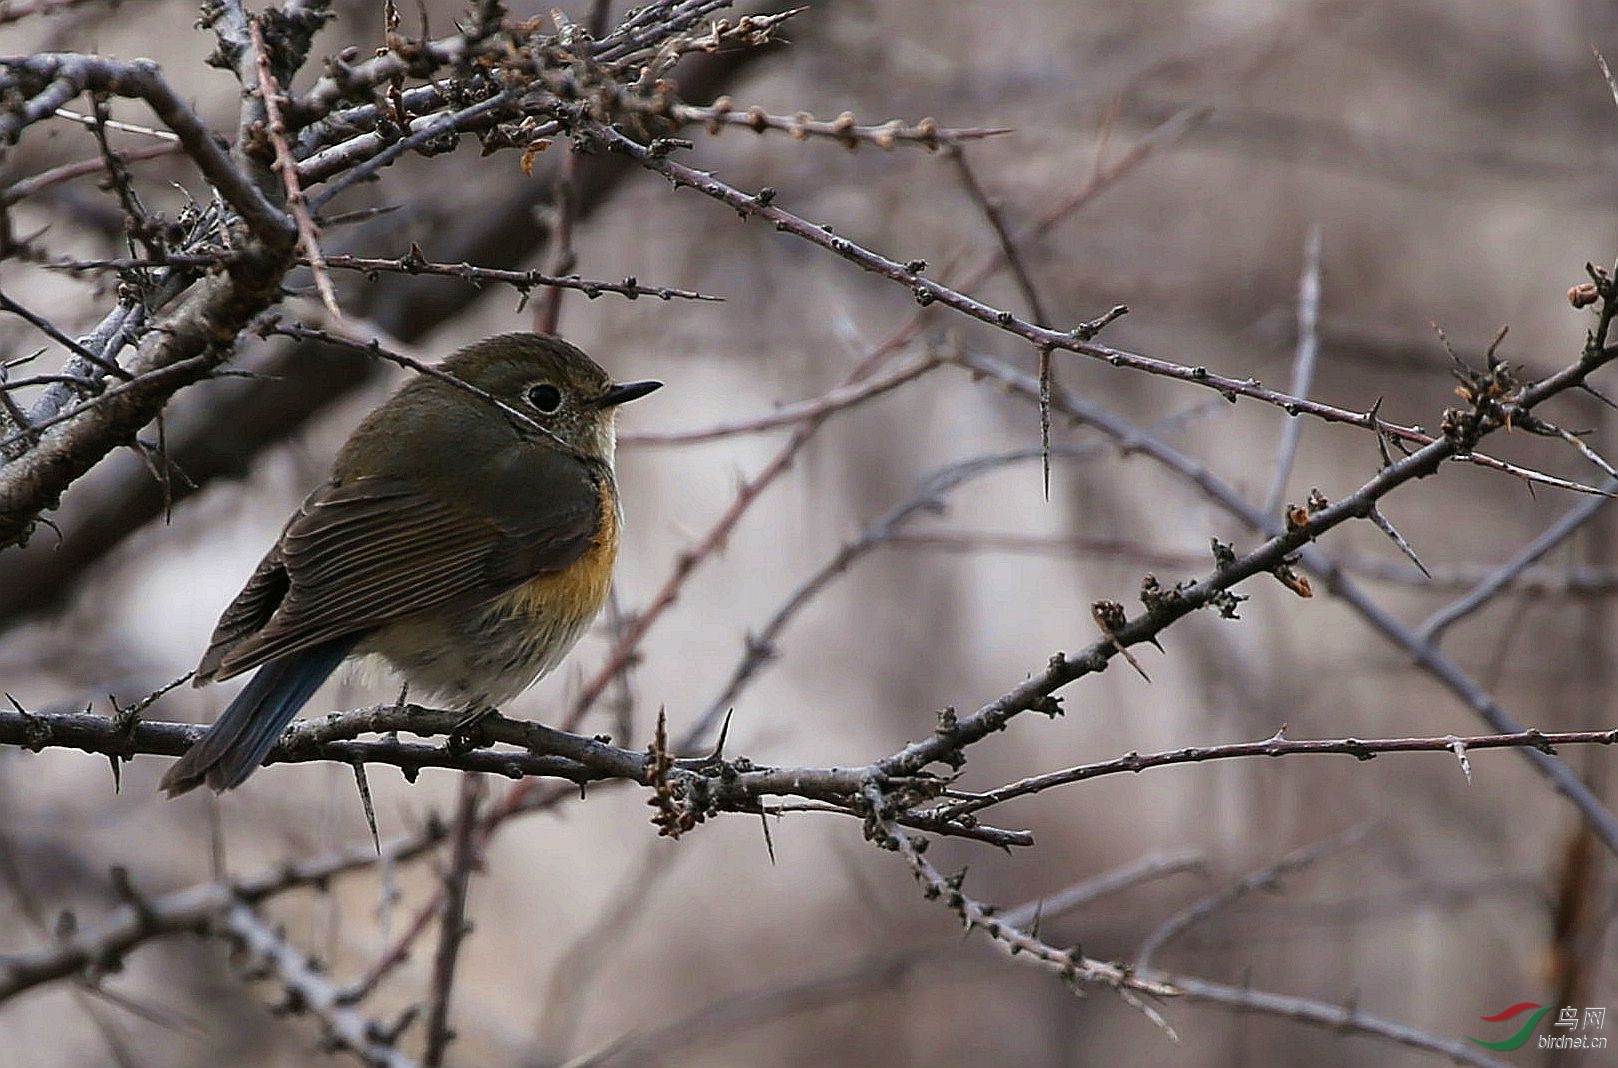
{"x": 94, "y": 950}
{"x": 313, "y": 991}
{"x": 1426, "y": 655}
{"x": 844, "y": 129}
{"x": 62, "y": 75}
{"x": 844, "y": 396}
{"x": 624, "y": 649}
{"x": 412, "y": 264}
{"x": 27, "y": 187}
{"x": 1275, "y": 746}
{"x": 798, "y": 994}
{"x": 1025, "y": 285}
{"x": 564, "y": 191}
{"x": 1263, "y": 879}
{"x": 453, "y": 924}
{"x": 1071, "y": 965}
{"x": 287, "y": 165}
{"x": 122, "y": 127}
{"x": 1346, "y": 1018}
{"x": 926, "y": 291}
{"x": 544, "y": 753}
{"x": 1432, "y": 630}
{"x": 1303, "y": 368}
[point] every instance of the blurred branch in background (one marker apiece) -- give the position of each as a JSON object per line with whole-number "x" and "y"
{"x": 342, "y": 166}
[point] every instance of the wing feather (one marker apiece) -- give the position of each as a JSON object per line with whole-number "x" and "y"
{"x": 373, "y": 549}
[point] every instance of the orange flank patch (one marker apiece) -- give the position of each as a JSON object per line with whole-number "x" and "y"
{"x": 579, "y": 589}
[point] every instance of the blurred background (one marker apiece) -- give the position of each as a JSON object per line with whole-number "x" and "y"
{"x": 1458, "y": 159}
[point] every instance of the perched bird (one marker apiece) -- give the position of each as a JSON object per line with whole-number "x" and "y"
{"x": 466, "y": 536}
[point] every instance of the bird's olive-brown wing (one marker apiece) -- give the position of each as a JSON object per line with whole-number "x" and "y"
{"x": 373, "y": 549}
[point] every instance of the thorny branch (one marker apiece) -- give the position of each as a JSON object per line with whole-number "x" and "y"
{"x": 412, "y": 263}
{"x": 309, "y": 990}
{"x": 513, "y": 87}
{"x": 1426, "y": 655}
{"x": 1072, "y": 965}
{"x": 1278, "y": 745}
{"x": 1078, "y": 340}
{"x": 511, "y": 75}
{"x": 100, "y": 949}
{"x": 453, "y": 924}
{"x": 624, "y": 650}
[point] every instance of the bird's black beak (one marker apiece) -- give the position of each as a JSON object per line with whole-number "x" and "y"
{"x": 625, "y": 391}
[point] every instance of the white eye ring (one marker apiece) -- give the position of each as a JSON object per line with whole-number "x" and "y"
{"x": 545, "y": 397}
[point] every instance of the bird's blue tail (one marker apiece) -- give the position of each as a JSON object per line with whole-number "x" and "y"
{"x": 239, "y": 740}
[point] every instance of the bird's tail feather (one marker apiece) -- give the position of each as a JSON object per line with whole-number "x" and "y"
{"x": 239, "y": 740}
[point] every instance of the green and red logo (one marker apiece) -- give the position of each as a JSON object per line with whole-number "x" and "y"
{"x": 1516, "y": 1040}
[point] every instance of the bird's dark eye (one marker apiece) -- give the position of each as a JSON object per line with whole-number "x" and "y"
{"x": 546, "y": 397}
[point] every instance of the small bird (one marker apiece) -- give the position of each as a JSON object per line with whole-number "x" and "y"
{"x": 466, "y": 535}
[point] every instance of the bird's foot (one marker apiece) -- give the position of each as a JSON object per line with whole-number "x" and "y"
{"x": 467, "y": 735}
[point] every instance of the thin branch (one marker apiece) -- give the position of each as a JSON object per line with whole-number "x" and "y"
{"x": 1025, "y": 285}
{"x": 313, "y": 992}
{"x": 544, "y": 753}
{"x": 122, "y": 127}
{"x": 1275, "y": 746}
{"x": 845, "y": 396}
{"x": 656, "y": 157}
{"x": 412, "y": 264}
{"x": 1003, "y": 236}
{"x": 844, "y": 129}
{"x": 66, "y": 172}
{"x": 1072, "y": 965}
{"x": 564, "y": 191}
{"x": 453, "y": 925}
{"x": 68, "y": 74}
{"x": 1425, "y": 655}
{"x": 877, "y": 974}
{"x": 98, "y": 949}
{"x": 1472, "y": 695}
{"x": 287, "y": 165}
{"x": 1532, "y": 581}
{"x": 1265, "y": 878}
{"x": 548, "y": 315}
{"x": 624, "y": 650}
{"x": 1431, "y": 631}
{"x": 1346, "y": 1018}
{"x": 1303, "y": 368}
